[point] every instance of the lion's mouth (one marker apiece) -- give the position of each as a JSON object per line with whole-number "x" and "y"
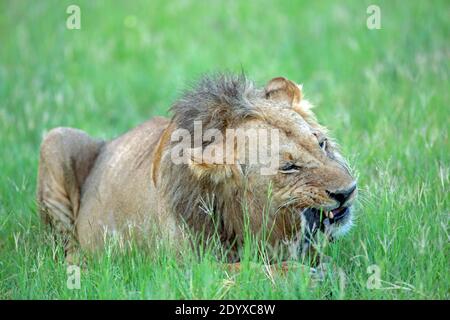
{"x": 337, "y": 214}
{"x": 319, "y": 219}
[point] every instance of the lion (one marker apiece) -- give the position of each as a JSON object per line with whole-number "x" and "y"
{"x": 89, "y": 187}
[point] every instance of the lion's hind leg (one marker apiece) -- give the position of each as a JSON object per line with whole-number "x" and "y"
{"x": 66, "y": 158}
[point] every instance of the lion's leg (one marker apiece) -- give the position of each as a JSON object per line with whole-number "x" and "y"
{"x": 66, "y": 157}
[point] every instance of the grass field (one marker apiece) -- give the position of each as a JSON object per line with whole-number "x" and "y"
{"x": 383, "y": 93}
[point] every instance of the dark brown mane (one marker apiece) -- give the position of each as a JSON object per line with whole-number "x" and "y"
{"x": 217, "y": 101}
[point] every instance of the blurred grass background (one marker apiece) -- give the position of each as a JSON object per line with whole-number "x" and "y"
{"x": 383, "y": 93}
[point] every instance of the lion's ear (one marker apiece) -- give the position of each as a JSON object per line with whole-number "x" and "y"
{"x": 282, "y": 89}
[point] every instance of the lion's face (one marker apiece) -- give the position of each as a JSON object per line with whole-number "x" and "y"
{"x": 309, "y": 182}
{"x": 312, "y": 178}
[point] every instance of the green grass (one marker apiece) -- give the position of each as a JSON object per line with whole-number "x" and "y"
{"x": 383, "y": 93}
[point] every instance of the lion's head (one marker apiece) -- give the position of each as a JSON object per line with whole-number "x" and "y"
{"x": 308, "y": 187}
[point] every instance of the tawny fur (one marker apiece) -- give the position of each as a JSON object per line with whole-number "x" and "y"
{"x": 130, "y": 186}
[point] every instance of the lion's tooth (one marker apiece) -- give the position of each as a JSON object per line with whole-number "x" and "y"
{"x": 330, "y": 215}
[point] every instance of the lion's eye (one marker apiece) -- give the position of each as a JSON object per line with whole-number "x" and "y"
{"x": 290, "y": 168}
{"x": 323, "y": 144}
{"x": 322, "y": 141}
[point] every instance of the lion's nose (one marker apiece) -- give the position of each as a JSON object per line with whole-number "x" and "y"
{"x": 342, "y": 196}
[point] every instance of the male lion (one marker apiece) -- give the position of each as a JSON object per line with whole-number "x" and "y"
{"x": 87, "y": 187}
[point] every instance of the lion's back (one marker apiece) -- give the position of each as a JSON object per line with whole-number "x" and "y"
{"x": 118, "y": 192}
